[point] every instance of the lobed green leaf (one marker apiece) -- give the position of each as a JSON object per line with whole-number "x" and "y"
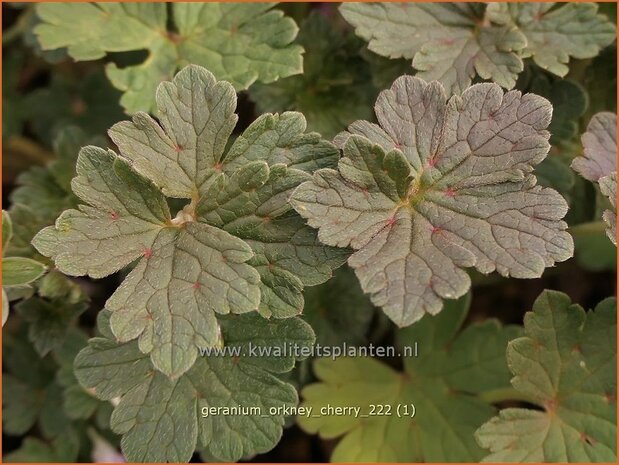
{"x": 448, "y": 42}
{"x": 454, "y": 42}
{"x": 555, "y": 32}
{"x": 238, "y": 43}
{"x": 161, "y": 419}
{"x": 444, "y": 382}
{"x": 439, "y": 186}
{"x": 237, "y": 246}
{"x": 565, "y": 364}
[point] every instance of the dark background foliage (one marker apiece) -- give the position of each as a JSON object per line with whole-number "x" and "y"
{"x": 44, "y": 92}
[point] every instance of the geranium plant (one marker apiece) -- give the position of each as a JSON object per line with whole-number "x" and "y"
{"x": 367, "y": 232}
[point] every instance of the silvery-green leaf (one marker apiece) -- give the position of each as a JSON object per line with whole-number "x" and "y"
{"x": 197, "y": 118}
{"x": 600, "y": 148}
{"x": 237, "y": 246}
{"x": 287, "y": 254}
{"x": 253, "y": 205}
{"x": 184, "y": 154}
{"x": 566, "y": 364}
{"x": 170, "y": 298}
{"x": 281, "y": 139}
{"x": 238, "y": 43}
{"x": 120, "y": 203}
{"x": 439, "y": 186}
{"x": 599, "y": 162}
{"x": 449, "y": 42}
{"x": 556, "y": 32}
{"x": 162, "y": 419}
{"x": 127, "y": 219}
